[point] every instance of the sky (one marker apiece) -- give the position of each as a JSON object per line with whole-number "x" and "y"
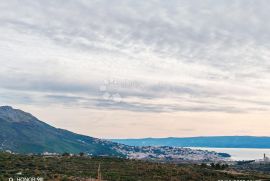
{"x": 133, "y": 69}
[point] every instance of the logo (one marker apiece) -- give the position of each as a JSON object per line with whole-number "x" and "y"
{"x": 109, "y": 91}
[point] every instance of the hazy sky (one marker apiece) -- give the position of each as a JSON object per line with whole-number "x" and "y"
{"x": 135, "y": 68}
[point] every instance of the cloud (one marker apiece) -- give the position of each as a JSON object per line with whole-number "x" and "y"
{"x": 182, "y": 55}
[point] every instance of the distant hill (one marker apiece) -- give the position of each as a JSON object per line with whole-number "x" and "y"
{"x": 215, "y": 142}
{"x": 21, "y": 132}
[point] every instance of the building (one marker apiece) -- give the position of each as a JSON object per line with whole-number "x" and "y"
{"x": 266, "y": 159}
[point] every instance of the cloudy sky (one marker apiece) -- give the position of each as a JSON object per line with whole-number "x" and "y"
{"x": 125, "y": 68}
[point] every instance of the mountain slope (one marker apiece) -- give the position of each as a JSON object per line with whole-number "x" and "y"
{"x": 20, "y": 132}
{"x": 23, "y": 133}
{"x": 215, "y": 141}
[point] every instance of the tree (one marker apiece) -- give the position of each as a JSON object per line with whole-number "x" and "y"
{"x": 65, "y": 154}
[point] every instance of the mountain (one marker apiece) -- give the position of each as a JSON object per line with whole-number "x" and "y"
{"x": 21, "y": 132}
{"x": 214, "y": 141}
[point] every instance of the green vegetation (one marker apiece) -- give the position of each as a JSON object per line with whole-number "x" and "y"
{"x": 112, "y": 169}
{"x": 23, "y": 133}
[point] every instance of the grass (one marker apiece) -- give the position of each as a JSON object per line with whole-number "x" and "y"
{"x": 112, "y": 169}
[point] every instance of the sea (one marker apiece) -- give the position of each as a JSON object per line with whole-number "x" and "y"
{"x": 240, "y": 153}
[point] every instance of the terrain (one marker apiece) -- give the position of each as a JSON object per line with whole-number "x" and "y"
{"x": 21, "y": 132}
{"x": 30, "y": 148}
{"x": 114, "y": 169}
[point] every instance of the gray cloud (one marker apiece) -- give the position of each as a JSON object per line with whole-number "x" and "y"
{"x": 194, "y": 52}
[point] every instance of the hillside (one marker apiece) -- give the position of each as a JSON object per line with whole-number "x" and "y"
{"x": 215, "y": 142}
{"x": 21, "y": 132}
{"x": 114, "y": 169}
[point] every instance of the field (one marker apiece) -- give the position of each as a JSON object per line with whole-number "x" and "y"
{"x": 113, "y": 169}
